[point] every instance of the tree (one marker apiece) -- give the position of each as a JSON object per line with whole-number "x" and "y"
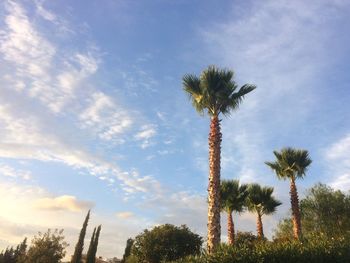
{"x": 323, "y": 211}
{"x": 233, "y": 197}
{"x": 292, "y": 164}
{"x": 165, "y": 243}
{"x": 261, "y": 202}
{"x": 47, "y": 247}
{"x": 91, "y": 256}
{"x": 215, "y": 92}
{"x": 127, "y": 251}
{"x": 91, "y": 245}
{"x": 80, "y": 245}
{"x": 11, "y": 255}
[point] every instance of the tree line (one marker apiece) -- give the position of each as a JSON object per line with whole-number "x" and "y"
{"x": 324, "y": 213}
{"x": 49, "y": 247}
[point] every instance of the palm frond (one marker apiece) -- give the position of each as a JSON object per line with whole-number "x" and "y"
{"x": 260, "y": 199}
{"x": 233, "y": 196}
{"x": 290, "y": 163}
{"x": 215, "y": 91}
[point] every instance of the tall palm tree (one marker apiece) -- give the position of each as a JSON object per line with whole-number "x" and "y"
{"x": 215, "y": 92}
{"x": 292, "y": 164}
{"x": 233, "y": 198}
{"x": 261, "y": 201}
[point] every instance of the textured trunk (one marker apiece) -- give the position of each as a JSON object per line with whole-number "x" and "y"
{"x": 214, "y": 185}
{"x": 230, "y": 229}
{"x": 259, "y": 227}
{"x": 295, "y": 209}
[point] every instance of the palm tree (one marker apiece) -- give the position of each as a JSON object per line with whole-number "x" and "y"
{"x": 292, "y": 164}
{"x": 261, "y": 201}
{"x": 216, "y": 92}
{"x": 233, "y": 198}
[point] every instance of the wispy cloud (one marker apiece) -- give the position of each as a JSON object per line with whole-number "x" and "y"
{"x": 145, "y": 134}
{"x": 104, "y": 116}
{"x": 125, "y": 214}
{"x": 9, "y": 171}
{"x": 338, "y": 158}
{"x": 34, "y": 60}
{"x": 46, "y": 14}
{"x": 64, "y": 202}
{"x": 40, "y": 70}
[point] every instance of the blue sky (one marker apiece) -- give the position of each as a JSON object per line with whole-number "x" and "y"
{"x": 93, "y": 115}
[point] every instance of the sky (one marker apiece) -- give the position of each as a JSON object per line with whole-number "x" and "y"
{"x": 93, "y": 114}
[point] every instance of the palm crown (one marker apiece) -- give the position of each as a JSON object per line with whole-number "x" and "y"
{"x": 215, "y": 90}
{"x": 260, "y": 200}
{"x": 290, "y": 163}
{"x": 233, "y": 196}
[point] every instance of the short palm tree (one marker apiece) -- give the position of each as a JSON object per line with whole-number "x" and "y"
{"x": 292, "y": 164}
{"x": 215, "y": 92}
{"x": 233, "y": 198}
{"x": 261, "y": 202}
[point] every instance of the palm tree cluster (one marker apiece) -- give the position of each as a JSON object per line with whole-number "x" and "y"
{"x": 237, "y": 198}
{"x": 215, "y": 92}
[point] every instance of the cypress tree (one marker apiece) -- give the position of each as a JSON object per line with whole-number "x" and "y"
{"x": 80, "y": 245}
{"x": 91, "y": 258}
{"x": 127, "y": 251}
{"x": 91, "y": 247}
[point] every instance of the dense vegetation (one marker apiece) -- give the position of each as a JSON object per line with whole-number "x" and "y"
{"x": 323, "y": 210}
{"x": 325, "y": 217}
{"x": 45, "y": 247}
{"x": 164, "y": 243}
{"x": 318, "y": 249}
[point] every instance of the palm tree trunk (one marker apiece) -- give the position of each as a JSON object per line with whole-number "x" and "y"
{"x": 214, "y": 229}
{"x": 259, "y": 227}
{"x": 230, "y": 229}
{"x": 295, "y": 209}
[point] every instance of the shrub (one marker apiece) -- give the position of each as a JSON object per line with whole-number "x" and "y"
{"x": 316, "y": 249}
{"x": 165, "y": 243}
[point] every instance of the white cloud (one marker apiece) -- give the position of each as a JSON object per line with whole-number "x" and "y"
{"x": 145, "y": 134}
{"x": 106, "y": 118}
{"x": 64, "y": 202}
{"x": 23, "y": 45}
{"x": 29, "y": 138}
{"x": 44, "y": 13}
{"x": 9, "y": 171}
{"x": 125, "y": 214}
{"x": 35, "y": 59}
{"x": 338, "y": 158}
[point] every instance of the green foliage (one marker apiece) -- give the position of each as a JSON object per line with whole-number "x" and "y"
{"x": 91, "y": 255}
{"x": 233, "y": 196}
{"x": 165, "y": 243}
{"x": 290, "y": 163}
{"x": 80, "y": 245}
{"x": 323, "y": 210}
{"x": 47, "y": 247}
{"x": 14, "y": 255}
{"x": 260, "y": 200}
{"x": 215, "y": 91}
{"x": 316, "y": 249}
{"x": 127, "y": 251}
{"x": 245, "y": 239}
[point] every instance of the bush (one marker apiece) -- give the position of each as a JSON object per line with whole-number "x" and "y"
{"x": 165, "y": 243}
{"x": 317, "y": 249}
